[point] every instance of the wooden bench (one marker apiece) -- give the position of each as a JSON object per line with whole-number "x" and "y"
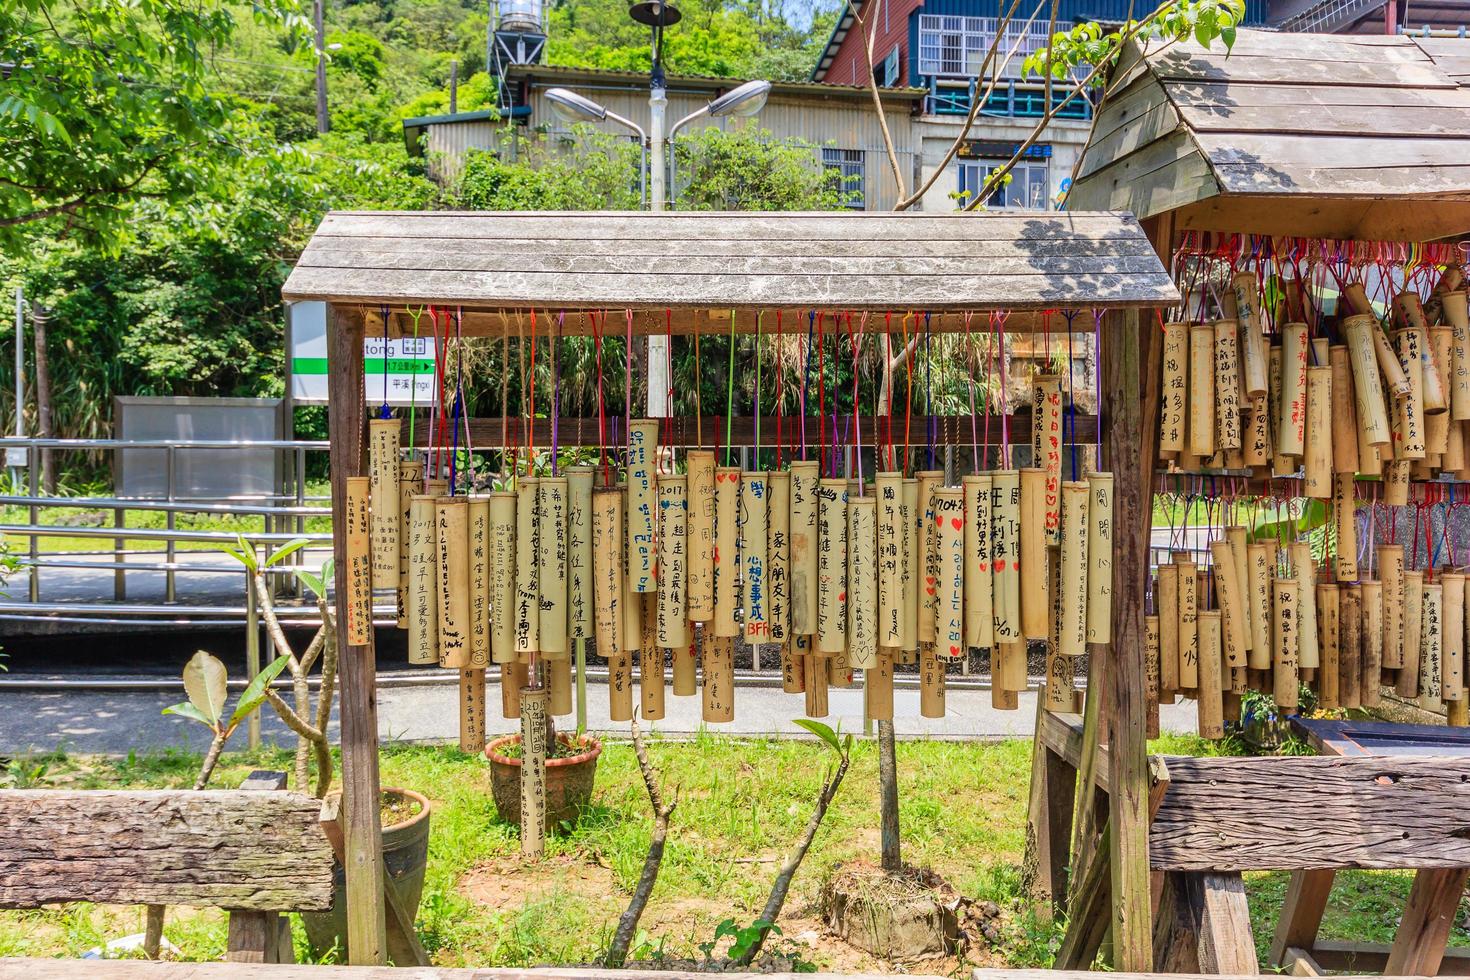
{"x": 1220, "y": 817}
{"x": 254, "y": 854}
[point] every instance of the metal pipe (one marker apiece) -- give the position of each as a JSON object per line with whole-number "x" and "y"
{"x": 136, "y": 503}
{"x": 20, "y": 376}
{"x": 385, "y": 610}
{"x": 144, "y": 534}
{"x": 252, "y": 657}
{"x": 35, "y": 516}
{"x": 170, "y": 592}
{"x": 119, "y": 549}
{"x": 40, "y": 443}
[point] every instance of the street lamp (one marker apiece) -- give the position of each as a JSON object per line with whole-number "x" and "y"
{"x": 573, "y": 108}
{"x": 743, "y": 100}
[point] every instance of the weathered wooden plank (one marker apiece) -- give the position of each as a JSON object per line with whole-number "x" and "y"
{"x": 228, "y": 849}
{"x": 1347, "y": 956}
{"x": 1203, "y": 925}
{"x": 1303, "y": 813}
{"x": 1342, "y": 48}
{"x": 1355, "y": 152}
{"x": 1312, "y": 118}
{"x": 1364, "y": 218}
{"x": 1424, "y": 930}
{"x": 1192, "y": 63}
{"x": 39, "y": 969}
{"x": 1233, "y": 96}
{"x": 1304, "y": 179}
{"x": 1149, "y": 118}
{"x": 1047, "y": 287}
{"x": 1161, "y": 176}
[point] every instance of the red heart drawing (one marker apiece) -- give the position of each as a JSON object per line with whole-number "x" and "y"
{"x": 929, "y": 590}
{"x": 842, "y": 597}
{"x": 939, "y": 520}
{"x": 956, "y": 523}
{"x": 954, "y": 651}
{"x": 998, "y": 566}
{"x": 929, "y": 579}
{"x": 1015, "y": 566}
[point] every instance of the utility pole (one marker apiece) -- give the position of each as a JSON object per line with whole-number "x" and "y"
{"x": 322, "y": 124}
{"x": 14, "y": 455}
{"x": 39, "y": 318}
{"x": 453, "y": 87}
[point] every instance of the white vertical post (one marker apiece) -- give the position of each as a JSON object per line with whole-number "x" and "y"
{"x": 20, "y": 383}
{"x": 658, "y": 346}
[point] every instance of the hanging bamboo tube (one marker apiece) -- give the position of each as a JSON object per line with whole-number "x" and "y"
{"x": 642, "y": 499}
{"x": 1072, "y": 631}
{"x": 1391, "y": 574}
{"x": 1258, "y": 579}
{"x": 700, "y": 531}
{"x": 1034, "y": 600}
{"x": 793, "y": 670}
{"x": 755, "y": 495}
{"x": 1350, "y": 646}
{"x": 502, "y": 538}
{"x": 528, "y": 589}
{"x": 1285, "y": 665}
{"x": 1245, "y": 288}
{"x": 1453, "y": 660}
{"x": 632, "y": 614}
{"x": 1291, "y": 423}
{"x": 1227, "y": 386}
{"x": 949, "y": 607}
{"x": 1372, "y": 643}
{"x": 512, "y": 679}
{"x": 1256, "y": 420}
{"x": 862, "y": 583}
{"x": 533, "y": 770}
{"x": 1189, "y": 649}
{"x": 1437, "y": 424}
{"x": 778, "y": 558}
{"x": 1309, "y": 655}
{"x": 1453, "y": 304}
{"x": 1455, "y": 459}
{"x": 1344, "y": 510}
{"x": 979, "y": 578}
{"x": 1371, "y": 406}
{"x": 650, "y": 660}
{"x": 452, "y": 518}
{"x": 1410, "y": 409}
{"x": 671, "y": 619}
{"x": 1356, "y": 297}
{"x": 1166, "y": 602}
{"x": 551, "y": 565}
{"x": 1057, "y": 688}
{"x": 1100, "y": 558}
{"x": 926, "y": 543}
{"x": 1433, "y": 391}
{"x": 607, "y": 570}
{"x": 1408, "y": 676}
{"x": 1202, "y": 391}
{"x": 1151, "y": 659}
{"x": 383, "y": 500}
{"x": 1280, "y": 465}
{"x": 719, "y": 679}
{"x": 1317, "y": 463}
{"x": 685, "y": 666}
{"x": 831, "y": 566}
{"x": 814, "y": 676}
{"x": 1230, "y": 599}
{"x": 1328, "y": 631}
{"x": 479, "y": 579}
{"x": 1005, "y": 516}
{"x": 888, "y": 489}
{"x": 878, "y": 688}
{"x": 1240, "y": 554}
{"x": 581, "y": 599}
{"x": 358, "y": 546}
{"x": 1431, "y": 646}
{"x": 931, "y": 683}
{"x": 839, "y": 671}
{"x": 1046, "y": 447}
{"x": 1174, "y": 390}
{"x": 1343, "y": 410}
{"x": 423, "y": 581}
{"x": 910, "y": 516}
{"x": 727, "y": 550}
{"x": 410, "y": 482}
{"x": 1211, "y": 698}
{"x": 559, "y": 683}
{"x": 804, "y": 476}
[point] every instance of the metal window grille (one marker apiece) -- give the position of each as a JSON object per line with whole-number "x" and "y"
{"x": 1028, "y": 189}
{"x": 845, "y": 170}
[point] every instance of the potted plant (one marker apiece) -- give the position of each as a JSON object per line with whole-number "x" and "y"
{"x": 571, "y": 769}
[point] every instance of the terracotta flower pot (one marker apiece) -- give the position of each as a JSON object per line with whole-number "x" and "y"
{"x": 568, "y": 781}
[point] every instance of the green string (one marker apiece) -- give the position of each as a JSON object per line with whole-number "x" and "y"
{"x": 413, "y": 395}
{"x": 730, "y": 388}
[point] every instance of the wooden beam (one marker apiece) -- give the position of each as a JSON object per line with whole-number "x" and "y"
{"x": 1346, "y": 956}
{"x": 44, "y": 969}
{"x": 366, "y": 919}
{"x": 1424, "y": 930}
{"x": 1204, "y": 925}
{"x": 1048, "y": 825}
{"x": 1301, "y": 913}
{"x": 1299, "y": 963}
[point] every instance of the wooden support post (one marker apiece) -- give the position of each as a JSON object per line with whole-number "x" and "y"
{"x": 1301, "y": 914}
{"x": 259, "y": 937}
{"x": 1419, "y": 945}
{"x": 1204, "y": 925}
{"x": 1130, "y": 381}
{"x": 1048, "y": 826}
{"x": 366, "y": 920}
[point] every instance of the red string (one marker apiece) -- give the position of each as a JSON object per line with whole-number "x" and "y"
{"x": 888, "y": 353}
{"x": 780, "y": 401}
{"x": 601, "y": 406}
{"x": 668, "y": 424}
{"x": 531, "y": 401}
{"x": 821, "y": 402}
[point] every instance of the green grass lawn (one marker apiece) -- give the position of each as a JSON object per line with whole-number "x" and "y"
{"x": 741, "y": 805}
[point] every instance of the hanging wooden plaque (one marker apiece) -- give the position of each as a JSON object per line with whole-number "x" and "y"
{"x": 358, "y": 548}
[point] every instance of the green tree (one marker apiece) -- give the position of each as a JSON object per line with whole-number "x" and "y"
{"x": 746, "y": 170}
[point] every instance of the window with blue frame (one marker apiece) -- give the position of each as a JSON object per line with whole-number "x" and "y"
{"x": 1028, "y": 188}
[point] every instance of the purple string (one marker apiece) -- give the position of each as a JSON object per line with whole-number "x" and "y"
{"x": 811, "y": 329}
{"x": 1071, "y": 315}
{"x": 928, "y": 386}
{"x": 1097, "y": 318}
{"x": 555, "y": 394}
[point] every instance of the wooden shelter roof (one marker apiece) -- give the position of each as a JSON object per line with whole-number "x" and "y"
{"x": 1318, "y": 135}
{"x": 488, "y": 262}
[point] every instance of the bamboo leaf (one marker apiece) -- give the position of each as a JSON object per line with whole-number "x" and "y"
{"x": 205, "y": 681}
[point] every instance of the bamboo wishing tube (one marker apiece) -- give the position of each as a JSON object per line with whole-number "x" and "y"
{"x": 878, "y": 688}
{"x": 686, "y": 667}
{"x": 551, "y": 565}
{"x": 1413, "y": 639}
{"x": 979, "y": 582}
{"x": 1005, "y": 517}
{"x": 931, "y": 683}
{"x": 1434, "y": 393}
{"x": 1308, "y": 649}
{"x": 1202, "y": 391}
{"x": 410, "y": 482}
{"x": 778, "y": 558}
{"x": 949, "y": 622}
{"x": 793, "y": 670}
{"x": 1349, "y": 645}
{"x": 831, "y": 566}
{"x": 1437, "y": 424}
{"x": 502, "y": 576}
{"x": 814, "y": 676}
{"x": 559, "y": 682}
{"x": 423, "y": 582}
{"x": 1189, "y": 651}
{"x": 1431, "y": 646}
{"x": 1260, "y": 556}
{"x": 1240, "y": 554}
{"x": 909, "y": 515}
{"x": 1046, "y": 447}
{"x": 642, "y": 498}
{"x": 1151, "y": 660}
{"x": 383, "y": 500}
{"x": 1410, "y": 343}
{"x": 1256, "y": 420}
{"x": 1227, "y": 386}
{"x": 1035, "y": 602}
{"x": 528, "y": 590}
{"x": 1229, "y": 596}
{"x": 533, "y": 770}
{"x": 1291, "y": 423}
{"x": 1371, "y": 609}
{"x": 862, "y": 583}
{"x": 1327, "y": 635}
{"x": 1453, "y": 303}
{"x": 755, "y": 495}
{"x": 358, "y": 546}
{"x": 804, "y": 547}
{"x": 1245, "y": 288}
{"x": 512, "y": 679}
{"x": 727, "y": 550}
{"x": 1100, "y": 558}
{"x": 1285, "y": 665}
{"x": 580, "y": 596}
{"x": 1391, "y": 574}
{"x": 632, "y": 614}
{"x": 1280, "y": 465}
{"x": 1344, "y": 509}
{"x": 1166, "y": 601}
{"x": 650, "y": 660}
{"x": 1174, "y": 390}
{"x": 1370, "y": 405}
{"x": 888, "y": 490}
{"x": 673, "y": 563}
{"x": 700, "y": 532}
{"x": 479, "y": 598}
{"x": 620, "y": 678}
{"x": 607, "y": 570}
{"x": 1317, "y": 462}
{"x": 1343, "y": 410}
{"x": 452, "y": 518}
{"x": 719, "y": 679}
{"x": 1453, "y": 656}
{"x": 927, "y": 545}
{"x": 1211, "y": 698}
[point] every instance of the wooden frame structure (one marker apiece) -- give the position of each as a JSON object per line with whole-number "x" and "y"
{"x": 1341, "y": 137}
{"x": 670, "y": 271}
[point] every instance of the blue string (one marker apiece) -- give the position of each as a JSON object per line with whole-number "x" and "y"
{"x": 458, "y": 406}
{"x": 385, "y": 412}
{"x": 1071, "y": 315}
{"x": 928, "y": 386}
{"x": 811, "y": 332}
